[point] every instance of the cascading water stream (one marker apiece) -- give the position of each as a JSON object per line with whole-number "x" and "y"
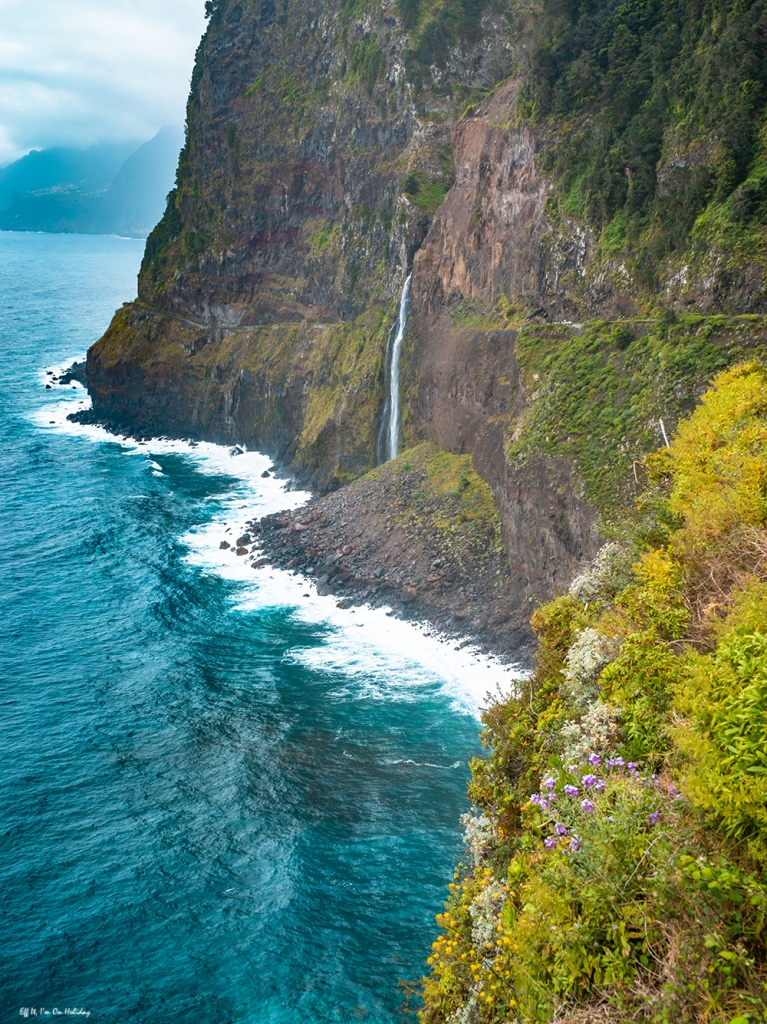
{"x": 388, "y": 438}
{"x": 394, "y": 414}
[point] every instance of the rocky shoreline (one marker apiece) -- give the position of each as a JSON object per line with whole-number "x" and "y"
{"x": 382, "y": 541}
{"x": 400, "y": 537}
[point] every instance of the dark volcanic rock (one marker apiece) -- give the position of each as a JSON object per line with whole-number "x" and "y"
{"x": 395, "y": 544}
{"x": 75, "y": 372}
{"x": 321, "y": 139}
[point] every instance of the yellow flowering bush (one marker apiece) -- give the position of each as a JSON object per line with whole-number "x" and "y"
{"x": 629, "y": 884}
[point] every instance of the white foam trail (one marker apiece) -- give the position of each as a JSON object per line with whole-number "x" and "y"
{"x": 381, "y": 657}
{"x": 261, "y": 495}
{"x": 421, "y": 764}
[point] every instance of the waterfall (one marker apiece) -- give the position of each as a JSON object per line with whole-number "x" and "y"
{"x": 388, "y": 437}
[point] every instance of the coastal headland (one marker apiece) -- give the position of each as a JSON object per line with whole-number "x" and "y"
{"x": 528, "y": 245}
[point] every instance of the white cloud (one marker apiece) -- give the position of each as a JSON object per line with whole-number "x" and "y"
{"x": 75, "y": 72}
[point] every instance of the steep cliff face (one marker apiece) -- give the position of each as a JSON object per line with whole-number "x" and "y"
{"x": 317, "y": 151}
{"x": 301, "y": 126}
{"x": 490, "y": 236}
{"x": 504, "y": 230}
{"x": 467, "y": 394}
{"x": 308, "y": 393}
{"x": 330, "y": 151}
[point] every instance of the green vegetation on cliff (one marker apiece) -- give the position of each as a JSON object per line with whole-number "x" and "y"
{"x": 441, "y": 505}
{"x": 301, "y": 112}
{"x": 619, "y": 852}
{"x": 435, "y": 29}
{"x": 310, "y": 393}
{"x": 598, "y": 397}
{"x": 448, "y": 494}
{"x": 659, "y": 111}
{"x": 619, "y": 847}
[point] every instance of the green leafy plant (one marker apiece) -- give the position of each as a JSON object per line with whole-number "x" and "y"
{"x": 425, "y": 194}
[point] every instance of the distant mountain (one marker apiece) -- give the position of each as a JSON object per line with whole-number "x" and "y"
{"x": 105, "y": 189}
{"x": 136, "y": 198}
{"x": 60, "y": 170}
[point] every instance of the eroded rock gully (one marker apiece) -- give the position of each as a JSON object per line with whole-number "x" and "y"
{"x": 491, "y": 237}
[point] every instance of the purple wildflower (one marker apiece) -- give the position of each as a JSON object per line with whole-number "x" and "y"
{"x": 632, "y": 767}
{"x": 549, "y": 842}
{"x": 575, "y": 843}
{"x": 572, "y": 790}
{"x": 600, "y": 786}
{"x": 549, "y": 783}
{"x": 589, "y": 781}
{"x": 572, "y": 768}
{"x": 560, "y": 829}
{"x": 595, "y": 760}
{"x": 587, "y": 805}
{"x": 616, "y": 762}
{"x": 653, "y": 819}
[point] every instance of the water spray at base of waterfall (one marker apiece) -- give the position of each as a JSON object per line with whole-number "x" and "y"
{"x": 387, "y": 446}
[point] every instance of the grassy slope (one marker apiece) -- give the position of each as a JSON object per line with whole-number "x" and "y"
{"x": 598, "y": 396}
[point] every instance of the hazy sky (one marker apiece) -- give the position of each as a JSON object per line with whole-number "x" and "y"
{"x": 75, "y": 72}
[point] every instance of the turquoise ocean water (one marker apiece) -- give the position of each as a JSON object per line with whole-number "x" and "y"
{"x": 222, "y": 800}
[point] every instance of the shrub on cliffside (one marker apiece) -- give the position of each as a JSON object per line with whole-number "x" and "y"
{"x": 622, "y": 869}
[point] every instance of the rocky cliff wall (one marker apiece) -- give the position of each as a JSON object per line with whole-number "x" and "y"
{"x": 302, "y": 125}
{"x": 309, "y": 394}
{"x": 327, "y": 154}
{"x": 467, "y": 394}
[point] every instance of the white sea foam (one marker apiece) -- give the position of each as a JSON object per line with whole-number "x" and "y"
{"x": 380, "y": 657}
{"x": 422, "y": 764}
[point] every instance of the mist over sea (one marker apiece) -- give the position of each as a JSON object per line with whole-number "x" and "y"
{"x": 223, "y": 799}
